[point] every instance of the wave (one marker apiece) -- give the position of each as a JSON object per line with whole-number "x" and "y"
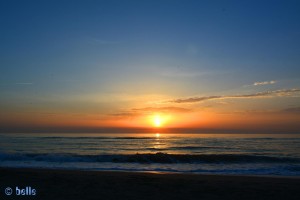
{"x": 99, "y": 138}
{"x": 149, "y": 158}
{"x": 198, "y": 147}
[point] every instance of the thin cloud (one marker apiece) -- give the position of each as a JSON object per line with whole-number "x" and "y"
{"x": 274, "y": 93}
{"x": 162, "y": 109}
{"x": 124, "y": 114}
{"x": 150, "y": 110}
{"x": 264, "y": 83}
{"x": 292, "y": 110}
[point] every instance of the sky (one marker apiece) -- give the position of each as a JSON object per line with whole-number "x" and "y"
{"x": 206, "y": 65}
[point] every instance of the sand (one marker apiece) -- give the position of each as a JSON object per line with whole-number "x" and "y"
{"x": 75, "y": 185}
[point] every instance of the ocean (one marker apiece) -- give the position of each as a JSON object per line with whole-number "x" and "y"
{"x": 238, "y": 154}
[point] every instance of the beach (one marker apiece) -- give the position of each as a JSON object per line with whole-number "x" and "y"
{"x": 78, "y": 184}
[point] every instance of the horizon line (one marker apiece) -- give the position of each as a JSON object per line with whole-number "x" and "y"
{"x": 143, "y": 130}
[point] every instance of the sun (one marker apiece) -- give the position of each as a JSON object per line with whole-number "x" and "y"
{"x": 157, "y": 121}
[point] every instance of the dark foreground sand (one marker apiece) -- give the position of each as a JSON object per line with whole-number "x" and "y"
{"x": 75, "y": 185}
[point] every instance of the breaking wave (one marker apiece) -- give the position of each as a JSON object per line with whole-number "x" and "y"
{"x": 149, "y": 158}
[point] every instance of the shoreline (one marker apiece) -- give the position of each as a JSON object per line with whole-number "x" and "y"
{"x": 153, "y": 172}
{"x": 82, "y": 184}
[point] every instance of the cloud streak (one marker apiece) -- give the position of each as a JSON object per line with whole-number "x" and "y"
{"x": 295, "y": 110}
{"x": 162, "y": 109}
{"x": 150, "y": 110}
{"x": 274, "y": 93}
{"x": 264, "y": 83}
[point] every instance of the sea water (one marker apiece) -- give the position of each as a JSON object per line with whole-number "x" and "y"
{"x": 248, "y": 154}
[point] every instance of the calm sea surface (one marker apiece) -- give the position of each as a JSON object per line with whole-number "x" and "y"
{"x": 253, "y": 154}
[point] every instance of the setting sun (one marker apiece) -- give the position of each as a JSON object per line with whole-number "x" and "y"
{"x": 157, "y": 121}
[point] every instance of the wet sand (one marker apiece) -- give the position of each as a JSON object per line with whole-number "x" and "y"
{"x": 75, "y": 185}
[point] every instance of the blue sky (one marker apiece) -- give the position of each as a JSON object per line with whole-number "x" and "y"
{"x": 104, "y": 57}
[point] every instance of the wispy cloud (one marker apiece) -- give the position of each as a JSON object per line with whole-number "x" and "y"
{"x": 274, "y": 93}
{"x": 162, "y": 109}
{"x": 150, "y": 110}
{"x": 264, "y": 83}
{"x": 292, "y": 110}
{"x": 124, "y": 114}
